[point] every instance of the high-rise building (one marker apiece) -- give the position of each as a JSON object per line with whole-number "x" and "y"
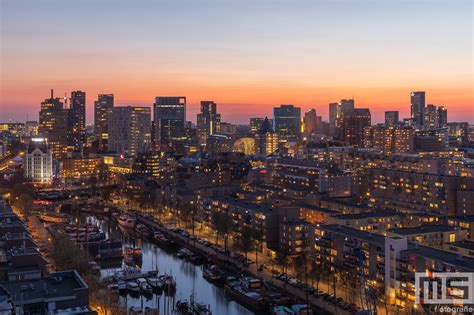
{"x": 334, "y": 114}
{"x": 39, "y": 161}
{"x": 353, "y": 126}
{"x": 256, "y": 124}
{"x": 169, "y": 117}
{"x": 266, "y": 140}
{"x": 287, "y": 122}
{"x": 104, "y": 103}
{"x": 391, "y": 118}
{"x": 76, "y": 133}
{"x": 431, "y": 116}
{"x": 442, "y": 117}
{"x": 129, "y": 130}
{"x": 310, "y": 121}
{"x": 53, "y": 125}
{"x": 208, "y": 122}
{"x": 347, "y": 105}
{"x": 228, "y": 128}
{"x": 417, "y": 100}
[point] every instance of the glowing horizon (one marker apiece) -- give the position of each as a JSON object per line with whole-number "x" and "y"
{"x": 248, "y": 57}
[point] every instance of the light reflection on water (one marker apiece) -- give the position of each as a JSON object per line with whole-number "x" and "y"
{"x": 189, "y": 278}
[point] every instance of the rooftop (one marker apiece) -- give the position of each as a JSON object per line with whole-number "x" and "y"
{"x": 465, "y": 218}
{"x": 368, "y": 237}
{"x": 316, "y": 208}
{"x": 58, "y": 286}
{"x": 422, "y": 229}
{"x": 260, "y": 208}
{"x": 463, "y": 244}
{"x": 365, "y": 215}
{"x": 441, "y": 255}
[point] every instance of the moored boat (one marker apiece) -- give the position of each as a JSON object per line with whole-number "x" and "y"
{"x": 128, "y": 274}
{"x": 213, "y": 274}
{"x": 155, "y": 283}
{"x": 53, "y": 218}
{"x": 126, "y": 221}
{"x": 145, "y": 288}
{"x": 133, "y": 287}
{"x": 245, "y": 292}
{"x": 121, "y": 286}
{"x": 169, "y": 283}
{"x": 142, "y": 230}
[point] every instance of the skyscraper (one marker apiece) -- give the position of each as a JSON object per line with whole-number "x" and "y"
{"x": 266, "y": 140}
{"x": 353, "y": 126}
{"x": 310, "y": 121}
{"x": 76, "y": 134}
{"x": 256, "y": 124}
{"x": 169, "y": 116}
{"x": 417, "y": 100}
{"x": 347, "y": 105}
{"x": 53, "y": 125}
{"x": 208, "y": 121}
{"x": 442, "y": 117}
{"x": 334, "y": 114}
{"x": 129, "y": 129}
{"x": 104, "y": 103}
{"x": 287, "y": 122}
{"x": 391, "y": 118}
{"x": 431, "y": 116}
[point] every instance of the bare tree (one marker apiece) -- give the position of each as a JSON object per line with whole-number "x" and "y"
{"x": 245, "y": 240}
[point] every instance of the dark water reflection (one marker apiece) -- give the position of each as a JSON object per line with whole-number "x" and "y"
{"x": 189, "y": 278}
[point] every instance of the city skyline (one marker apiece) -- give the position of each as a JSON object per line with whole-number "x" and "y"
{"x": 193, "y": 110}
{"x": 236, "y": 157}
{"x": 249, "y": 59}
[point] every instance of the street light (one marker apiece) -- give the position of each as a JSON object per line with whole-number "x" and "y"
{"x": 256, "y": 253}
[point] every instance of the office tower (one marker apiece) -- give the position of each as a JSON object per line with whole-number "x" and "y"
{"x": 391, "y": 118}
{"x": 39, "y": 161}
{"x": 319, "y": 120}
{"x": 104, "y": 103}
{"x": 310, "y": 121}
{"x": 353, "y": 126}
{"x": 208, "y": 121}
{"x": 76, "y": 134}
{"x": 228, "y": 128}
{"x": 287, "y": 122}
{"x": 169, "y": 116}
{"x": 129, "y": 129}
{"x": 417, "y": 100}
{"x": 347, "y": 106}
{"x": 266, "y": 140}
{"x": 431, "y": 116}
{"x": 53, "y": 125}
{"x": 256, "y": 124}
{"x": 442, "y": 117}
{"x": 334, "y": 114}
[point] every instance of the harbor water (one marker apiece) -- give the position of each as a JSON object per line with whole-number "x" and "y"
{"x": 189, "y": 278}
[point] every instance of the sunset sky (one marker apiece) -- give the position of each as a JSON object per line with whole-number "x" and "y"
{"x": 248, "y": 56}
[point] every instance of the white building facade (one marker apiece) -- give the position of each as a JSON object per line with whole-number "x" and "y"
{"x": 38, "y": 164}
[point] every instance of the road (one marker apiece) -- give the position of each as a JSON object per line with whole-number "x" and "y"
{"x": 252, "y": 269}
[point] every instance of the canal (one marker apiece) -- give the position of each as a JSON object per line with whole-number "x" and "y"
{"x": 189, "y": 279}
